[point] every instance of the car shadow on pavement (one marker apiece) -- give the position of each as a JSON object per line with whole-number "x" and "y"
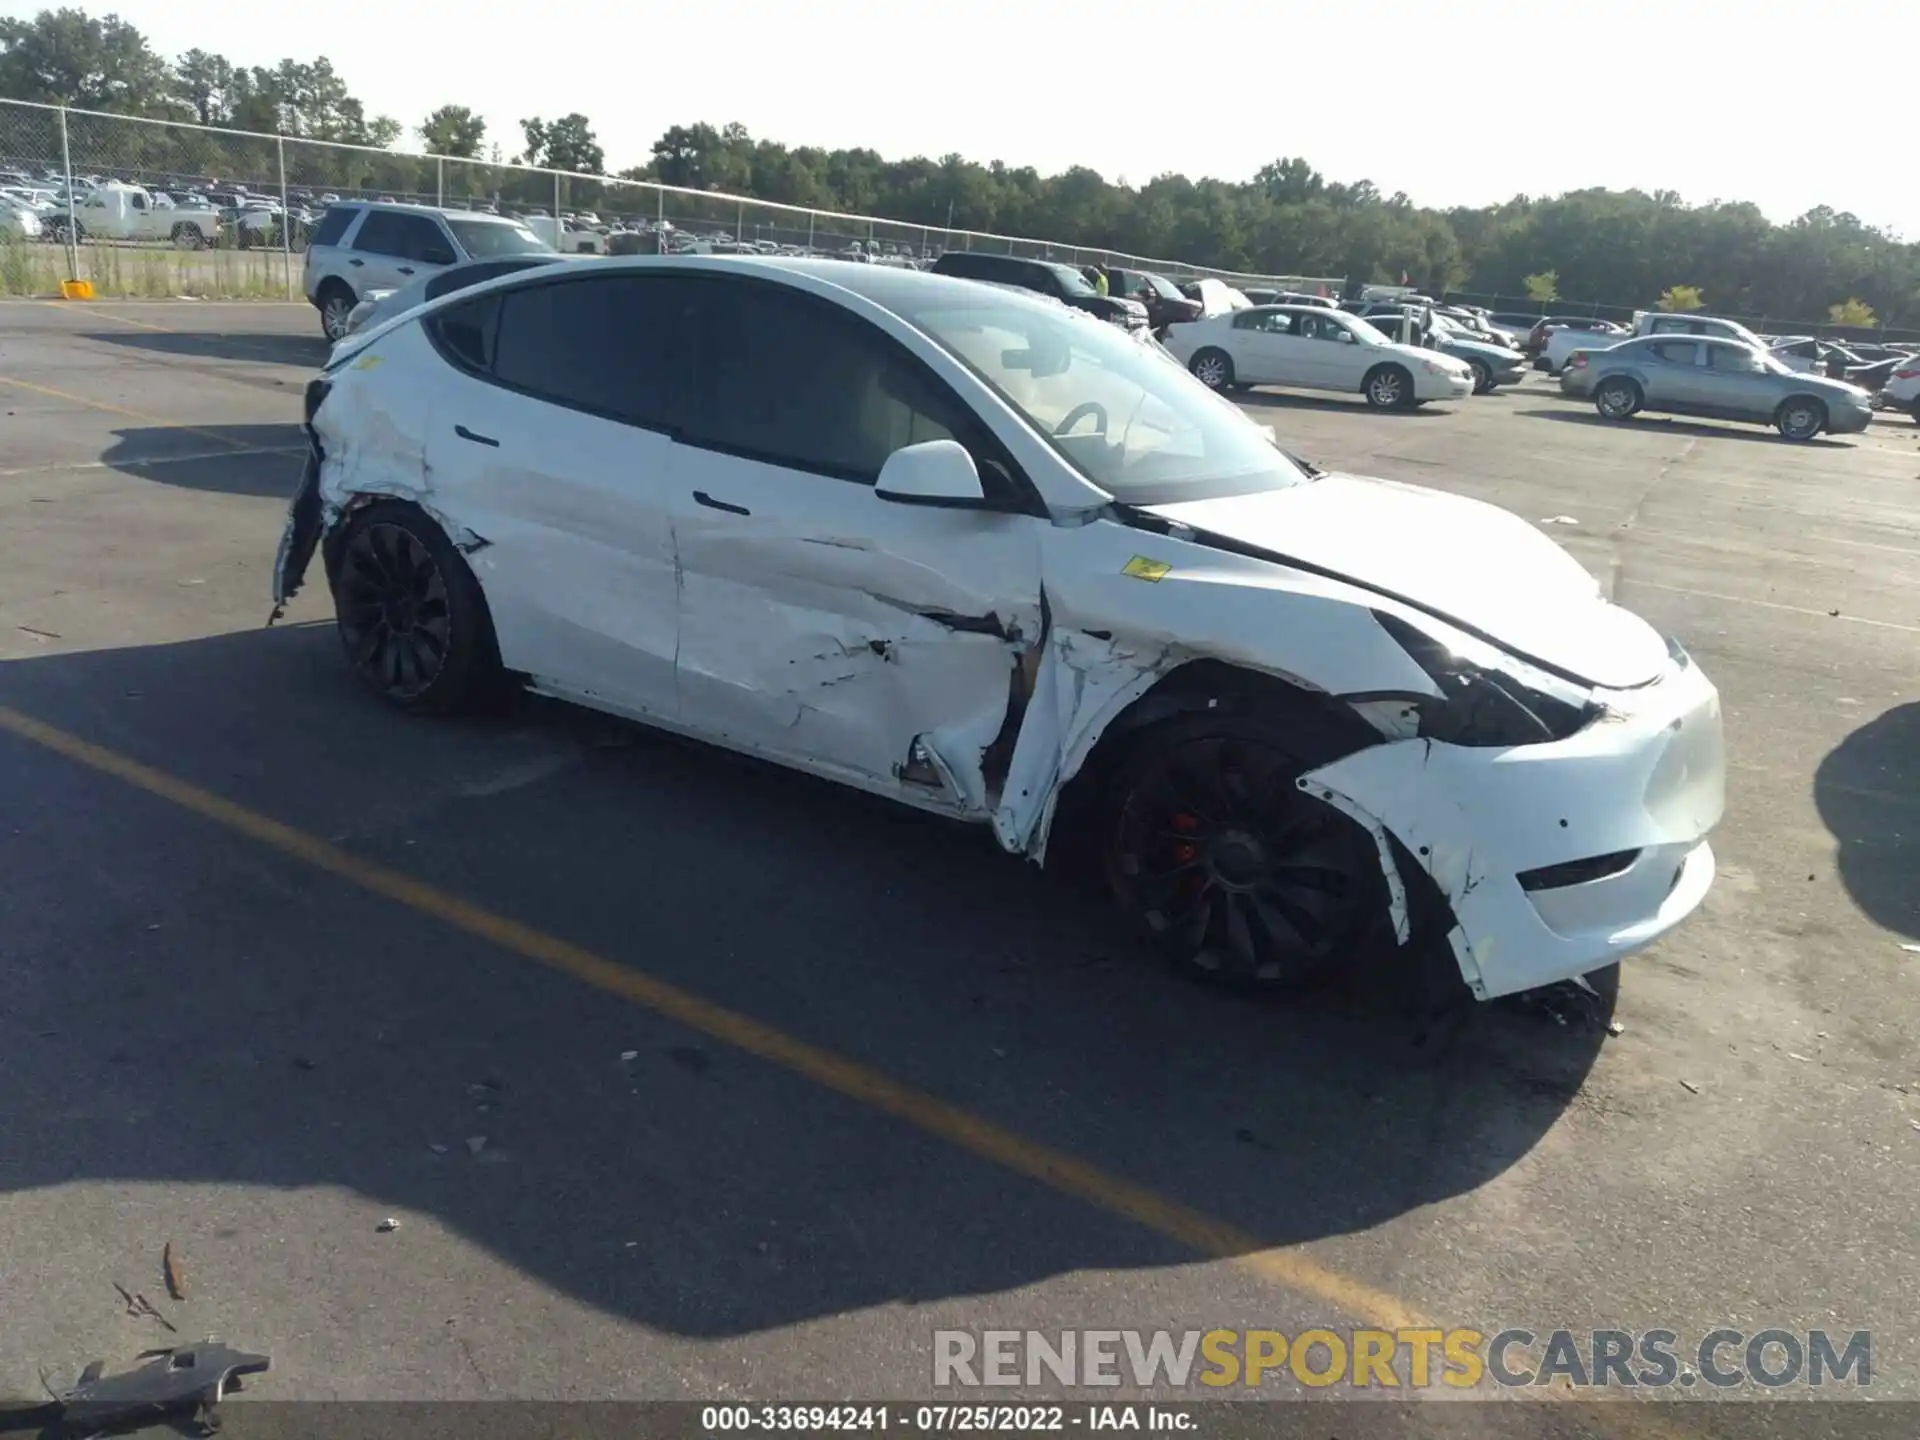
{"x": 1294, "y": 400}
{"x": 266, "y": 460}
{"x": 1868, "y": 793}
{"x": 1668, "y": 425}
{"x": 257, "y": 347}
{"x": 283, "y": 1029}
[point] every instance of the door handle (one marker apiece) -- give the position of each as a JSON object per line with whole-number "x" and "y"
{"x": 406, "y": 269}
{"x": 356, "y": 262}
{"x": 701, "y": 497}
{"x": 465, "y": 434}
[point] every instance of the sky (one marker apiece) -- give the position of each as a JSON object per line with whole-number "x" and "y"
{"x": 1462, "y": 103}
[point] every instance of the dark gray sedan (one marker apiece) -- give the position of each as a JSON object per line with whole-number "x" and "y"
{"x": 1715, "y": 379}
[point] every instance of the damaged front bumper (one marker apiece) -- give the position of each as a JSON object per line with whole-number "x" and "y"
{"x": 1557, "y": 859}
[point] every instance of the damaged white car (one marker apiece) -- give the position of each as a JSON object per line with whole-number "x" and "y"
{"x": 954, "y": 546}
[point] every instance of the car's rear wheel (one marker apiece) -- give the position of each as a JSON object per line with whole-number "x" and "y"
{"x": 1800, "y": 417}
{"x": 1388, "y": 387}
{"x": 1482, "y": 376}
{"x": 1617, "y": 399}
{"x": 411, "y": 615}
{"x": 336, "y": 309}
{"x": 188, "y": 237}
{"x": 1237, "y": 874}
{"x": 1213, "y": 368}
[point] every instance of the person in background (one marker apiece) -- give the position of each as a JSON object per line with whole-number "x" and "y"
{"x": 1100, "y": 279}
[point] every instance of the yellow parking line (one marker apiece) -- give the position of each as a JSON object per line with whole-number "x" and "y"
{"x": 974, "y": 1133}
{"x": 122, "y": 410}
{"x": 1288, "y": 1268}
{"x": 67, "y": 305}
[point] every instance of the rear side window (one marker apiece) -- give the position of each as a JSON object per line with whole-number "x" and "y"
{"x": 795, "y": 381}
{"x": 404, "y": 237}
{"x": 333, "y": 224}
{"x": 466, "y": 333}
{"x": 598, "y": 344}
{"x": 970, "y": 267}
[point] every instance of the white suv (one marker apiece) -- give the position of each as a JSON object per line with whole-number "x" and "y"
{"x": 360, "y": 246}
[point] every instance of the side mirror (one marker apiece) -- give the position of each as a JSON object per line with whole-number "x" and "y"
{"x": 938, "y": 473}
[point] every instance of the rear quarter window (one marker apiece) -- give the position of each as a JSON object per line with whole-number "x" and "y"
{"x": 333, "y": 225}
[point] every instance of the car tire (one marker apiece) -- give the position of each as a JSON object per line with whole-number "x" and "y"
{"x": 336, "y": 301}
{"x": 1237, "y": 875}
{"x": 1800, "y": 417}
{"x": 188, "y": 237}
{"x": 1213, "y": 368}
{"x": 1914, "y": 410}
{"x": 1482, "y": 377}
{"x": 412, "y": 618}
{"x": 1617, "y": 399}
{"x": 1388, "y": 387}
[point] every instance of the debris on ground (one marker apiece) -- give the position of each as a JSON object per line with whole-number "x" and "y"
{"x": 631, "y": 1055}
{"x": 1614, "y": 1027}
{"x": 387, "y": 1226}
{"x": 140, "y": 1307}
{"x": 437, "y": 1147}
{"x": 1559, "y": 520}
{"x": 1911, "y": 949}
{"x": 476, "y": 1143}
{"x": 170, "y": 1268}
{"x": 191, "y": 1377}
{"x": 1690, "y": 1087}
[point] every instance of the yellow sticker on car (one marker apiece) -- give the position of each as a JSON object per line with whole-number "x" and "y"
{"x": 1141, "y": 568}
{"x": 367, "y": 362}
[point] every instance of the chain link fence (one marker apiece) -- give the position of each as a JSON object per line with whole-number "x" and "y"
{"x": 226, "y": 213}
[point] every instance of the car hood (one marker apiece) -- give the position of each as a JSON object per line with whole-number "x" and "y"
{"x": 1497, "y": 355}
{"x": 1473, "y": 565}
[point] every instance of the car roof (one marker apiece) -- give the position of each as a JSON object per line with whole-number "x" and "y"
{"x": 402, "y": 207}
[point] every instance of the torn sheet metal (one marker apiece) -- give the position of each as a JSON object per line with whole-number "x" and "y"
{"x": 841, "y": 654}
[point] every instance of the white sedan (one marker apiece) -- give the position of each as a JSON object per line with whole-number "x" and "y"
{"x": 959, "y": 547}
{"x": 1308, "y": 347}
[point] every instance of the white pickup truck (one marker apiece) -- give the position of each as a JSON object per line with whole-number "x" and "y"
{"x": 1563, "y": 342}
{"x": 126, "y": 212}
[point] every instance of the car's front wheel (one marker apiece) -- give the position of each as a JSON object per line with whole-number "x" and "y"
{"x": 1388, "y": 387}
{"x": 1800, "y": 418}
{"x": 412, "y": 617}
{"x": 1238, "y": 874}
{"x": 1482, "y": 376}
{"x": 1212, "y": 368}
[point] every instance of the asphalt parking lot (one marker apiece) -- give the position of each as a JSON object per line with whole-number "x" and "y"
{"x": 688, "y": 1079}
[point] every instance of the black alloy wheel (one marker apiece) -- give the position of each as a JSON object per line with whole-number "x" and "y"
{"x": 1235, "y": 870}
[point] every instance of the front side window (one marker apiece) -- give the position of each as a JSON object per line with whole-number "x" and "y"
{"x": 1677, "y": 352}
{"x": 487, "y": 240}
{"x": 599, "y": 344}
{"x": 796, "y": 381}
{"x": 1142, "y": 430}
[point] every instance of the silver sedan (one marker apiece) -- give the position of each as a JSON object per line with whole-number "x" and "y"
{"x": 1715, "y": 379}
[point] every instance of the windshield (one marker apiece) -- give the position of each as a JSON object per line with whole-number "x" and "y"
{"x": 1161, "y": 286}
{"x": 1072, "y": 281}
{"x": 1140, "y": 428}
{"x": 486, "y": 239}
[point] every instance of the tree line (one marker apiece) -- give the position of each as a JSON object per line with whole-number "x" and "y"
{"x": 1624, "y": 248}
